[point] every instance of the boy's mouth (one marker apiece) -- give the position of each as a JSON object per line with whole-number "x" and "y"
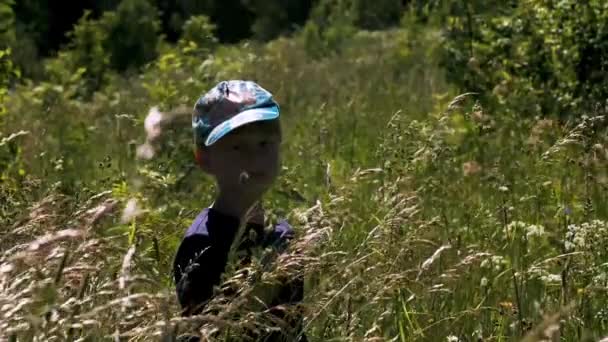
{"x": 246, "y": 176}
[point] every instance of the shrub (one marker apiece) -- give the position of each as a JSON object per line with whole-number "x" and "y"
{"x": 7, "y": 23}
{"x": 133, "y": 34}
{"x": 198, "y": 34}
{"x": 536, "y": 57}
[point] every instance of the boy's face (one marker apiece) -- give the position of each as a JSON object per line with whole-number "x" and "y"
{"x": 247, "y": 149}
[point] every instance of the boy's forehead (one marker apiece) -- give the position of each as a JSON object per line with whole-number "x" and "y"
{"x": 254, "y": 131}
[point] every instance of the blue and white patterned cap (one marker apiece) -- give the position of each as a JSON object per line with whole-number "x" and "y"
{"x": 228, "y": 105}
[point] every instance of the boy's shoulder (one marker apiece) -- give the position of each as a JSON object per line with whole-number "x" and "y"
{"x": 211, "y": 223}
{"x": 199, "y": 225}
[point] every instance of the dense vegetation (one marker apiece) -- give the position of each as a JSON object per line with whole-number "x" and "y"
{"x": 445, "y": 166}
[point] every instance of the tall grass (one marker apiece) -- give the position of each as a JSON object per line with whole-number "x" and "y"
{"x": 421, "y": 216}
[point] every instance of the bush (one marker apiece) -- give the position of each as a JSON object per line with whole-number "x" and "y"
{"x": 87, "y": 54}
{"x": 379, "y": 14}
{"x": 7, "y": 74}
{"x": 536, "y": 57}
{"x": 121, "y": 40}
{"x": 198, "y": 34}
{"x": 331, "y": 24}
{"x": 7, "y": 23}
{"x": 133, "y": 34}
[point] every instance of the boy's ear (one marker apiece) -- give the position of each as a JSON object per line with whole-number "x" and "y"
{"x": 202, "y": 158}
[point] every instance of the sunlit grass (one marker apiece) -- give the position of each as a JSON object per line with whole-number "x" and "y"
{"x": 421, "y": 215}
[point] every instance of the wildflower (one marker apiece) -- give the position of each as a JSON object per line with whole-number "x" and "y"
{"x": 514, "y": 227}
{"x": 484, "y": 282}
{"x": 498, "y": 262}
{"x": 575, "y": 237}
{"x": 503, "y": 188}
{"x": 600, "y": 279}
{"x": 534, "y": 230}
{"x": 569, "y": 246}
{"x": 602, "y": 315}
{"x": 470, "y": 168}
{"x": 453, "y": 338}
{"x": 551, "y": 278}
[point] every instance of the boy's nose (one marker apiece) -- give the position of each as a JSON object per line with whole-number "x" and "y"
{"x": 256, "y": 162}
{"x": 249, "y": 158}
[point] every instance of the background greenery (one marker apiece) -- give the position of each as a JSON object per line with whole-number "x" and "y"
{"x": 444, "y": 164}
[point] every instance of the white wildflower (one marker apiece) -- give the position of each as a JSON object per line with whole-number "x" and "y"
{"x": 453, "y": 338}
{"x": 576, "y": 236}
{"x": 569, "y": 246}
{"x": 551, "y": 278}
{"x": 600, "y": 279}
{"x": 514, "y": 227}
{"x": 534, "y": 230}
{"x": 484, "y": 282}
{"x": 498, "y": 262}
{"x": 519, "y": 227}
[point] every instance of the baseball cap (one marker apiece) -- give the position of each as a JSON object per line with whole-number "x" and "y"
{"x": 229, "y": 105}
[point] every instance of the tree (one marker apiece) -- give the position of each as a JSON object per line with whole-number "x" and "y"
{"x": 536, "y": 56}
{"x": 133, "y": 34}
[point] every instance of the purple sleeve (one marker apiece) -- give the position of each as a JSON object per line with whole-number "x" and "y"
{"x": 280, "y": 237}
{"x": 201, "y": 259}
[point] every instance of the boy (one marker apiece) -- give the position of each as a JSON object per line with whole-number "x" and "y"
{"x": 237, "y": 135}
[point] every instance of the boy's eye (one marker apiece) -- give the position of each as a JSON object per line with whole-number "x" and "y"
{"x": 236, "y": 147}
{"x": 263, "y": 143}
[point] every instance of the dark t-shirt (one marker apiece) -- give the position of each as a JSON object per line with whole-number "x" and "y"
{"x": 203, "y": 253}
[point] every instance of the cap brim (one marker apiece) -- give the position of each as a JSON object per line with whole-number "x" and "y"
{"x": 248, "y": 116}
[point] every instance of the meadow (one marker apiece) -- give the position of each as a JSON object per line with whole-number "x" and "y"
{"x": 423, "y": 211}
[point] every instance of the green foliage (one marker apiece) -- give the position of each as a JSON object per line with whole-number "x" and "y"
{"x": 121, "y": 40}
{"x": 332, "y": 23}
{"x": 536, "y": 57}
{"x": 87, "y": 48}
{"x": 85, "y": 62}
{"x": 380, "y": 14}
{"x": 198, "y": 34}
{"x": 7, "y": 23}
{"x": 277, "y": 17}
{"x": 132, "y": 34}
{"x": 10, "y": 151}
{"x": 8, "y": 74}
{"x": 419, "y": 215}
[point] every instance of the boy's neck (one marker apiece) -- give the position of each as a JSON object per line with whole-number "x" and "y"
{"x": 235, "y": 206}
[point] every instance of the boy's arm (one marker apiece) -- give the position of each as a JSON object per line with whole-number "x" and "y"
{"x": 201, "y": 258}
{"x": 197, "y": 268}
